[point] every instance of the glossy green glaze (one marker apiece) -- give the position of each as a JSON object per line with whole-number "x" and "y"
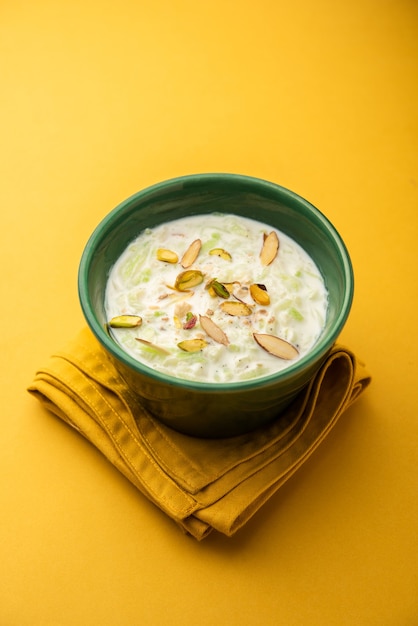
{"x": 213, "y": 409}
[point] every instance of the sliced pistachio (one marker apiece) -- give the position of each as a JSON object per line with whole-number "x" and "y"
{"x": 270, "y": 248}
{"x": 276, "y": 346}
{"x": 259, "y": 294}
{"x": 211, "y": 290}
{"x": 220, "y": 252}
{"x": 125, "y": 321}
{"x": 149, "y": 344}
{"x": 190, "y": 321}
{"x": 236, "y": 308}
{"x": 168, "y": 256}
{"x": 213, "y": 330}
{"x": 188, "y": 279}
{"x": 192, "y": 345}
{"x": 190, "y": 256}
{"x": 219, "y": 289}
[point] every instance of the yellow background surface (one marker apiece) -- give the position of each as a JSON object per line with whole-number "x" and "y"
{"x": 100, "y": 99}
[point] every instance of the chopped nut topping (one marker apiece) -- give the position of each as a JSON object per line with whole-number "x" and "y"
{"x": 232, "y": 286}
{"x": 270, "y": 248}
{"x": 236, "y": 308}
{"x": 210, "y": 289}
{"x": 276, "y": 346}
{"x": 259, "y": 294}
{"x": 219, "y": 289}
{"x": 168, "y": 256}
{"x": 223, "y": 254}
{"x": 213, "y": 330}
{"x": 125, "y": 321}
{"x": 192, "y": 345}
{"x": 191, "y": 254}
{"x": 190, "y": 322}
{"x": 188, "y": 279}
{"x": 181, "y": 309}
{"x": 152, "y": 345}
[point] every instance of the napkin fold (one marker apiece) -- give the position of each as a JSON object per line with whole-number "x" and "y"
{"x": 202, "y": 484}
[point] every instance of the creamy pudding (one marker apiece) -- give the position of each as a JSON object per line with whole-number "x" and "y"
{"x": 215, "y": 298}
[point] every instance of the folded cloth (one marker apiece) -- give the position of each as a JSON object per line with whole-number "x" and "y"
{"x": 202, "y": 484}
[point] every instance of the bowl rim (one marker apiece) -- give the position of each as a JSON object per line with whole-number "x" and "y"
{"x": 318, "y": 351}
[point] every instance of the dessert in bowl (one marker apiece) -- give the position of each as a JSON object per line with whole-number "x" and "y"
{"x": 217, "y": 297}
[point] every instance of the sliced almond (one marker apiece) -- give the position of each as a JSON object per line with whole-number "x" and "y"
{"x": 270, "y": 248}
{"x": 192, "y": 345}
{"x": 220, "y": 252}
{"x": 180, "y": 299}
{"x": 232, "y": 286}
{"x": 149, "y": 344}
{"x": 236, "y": 308}
{"x": 181, "y": 308}
{"x": 259, "y": 294}
{"x": 213, "y": 330}
{"x": 125, "y": 321}
{"x": 188, "y": 279}
{"x": 190, "y": 256}
{"x": 168, "y": 256}
{"x": 276, "y": 346}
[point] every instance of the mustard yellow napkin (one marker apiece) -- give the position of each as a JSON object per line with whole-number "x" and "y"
{"x": 202, "y": 484}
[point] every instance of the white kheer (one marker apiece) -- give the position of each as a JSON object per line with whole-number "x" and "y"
{"x": 216, "y": 298}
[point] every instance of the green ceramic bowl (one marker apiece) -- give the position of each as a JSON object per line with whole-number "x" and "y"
{"x": 216, "y": 409}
